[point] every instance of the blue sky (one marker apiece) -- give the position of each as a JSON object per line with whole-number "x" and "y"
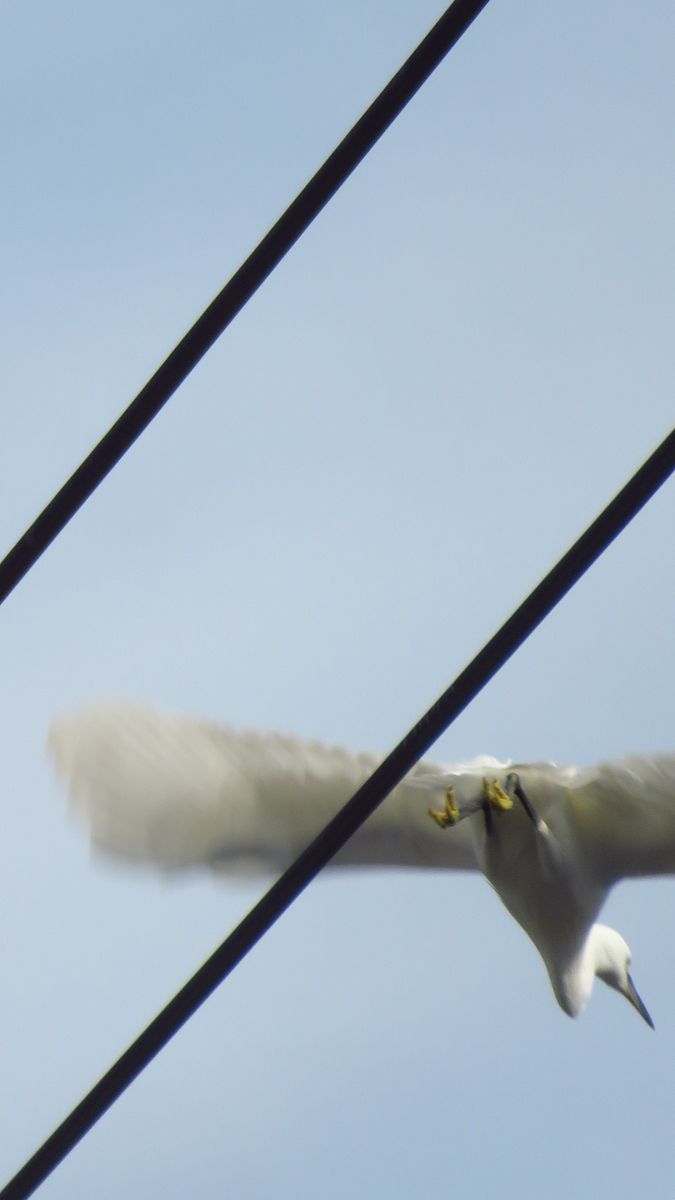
{"x": 458, "y": 365}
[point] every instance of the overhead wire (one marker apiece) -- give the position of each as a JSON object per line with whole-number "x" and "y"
{"x": 244, "y": 283}
{"x": 567, "y": 571}
{"x": 174, "y": 370}
{"x": 466, "y": 686}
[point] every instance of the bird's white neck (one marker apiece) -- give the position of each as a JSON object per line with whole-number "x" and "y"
{"x": 573, "y": 980}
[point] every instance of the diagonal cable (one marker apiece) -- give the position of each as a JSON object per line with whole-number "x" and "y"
{"x": 243, "y": 284}
{"x": 391, "y": 771}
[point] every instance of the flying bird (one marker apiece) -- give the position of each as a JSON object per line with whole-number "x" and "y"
{"x": 551, "y": 840}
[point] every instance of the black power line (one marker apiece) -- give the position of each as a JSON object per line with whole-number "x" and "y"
{"x": 243, "y": 284}
{"x": 259, "y": 920}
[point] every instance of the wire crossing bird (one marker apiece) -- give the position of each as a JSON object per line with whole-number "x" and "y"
{"x": 551, "y": 840}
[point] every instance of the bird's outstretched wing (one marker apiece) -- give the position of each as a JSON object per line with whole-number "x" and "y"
{"x": 177, "y": 793}
{"x": 619, "y": 815}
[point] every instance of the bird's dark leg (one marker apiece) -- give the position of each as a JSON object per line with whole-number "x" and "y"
{"x": 488, "y": 817}
{"x": 514, "y": 788}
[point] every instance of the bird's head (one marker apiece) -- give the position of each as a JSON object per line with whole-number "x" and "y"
{"x": 610, "y": 959}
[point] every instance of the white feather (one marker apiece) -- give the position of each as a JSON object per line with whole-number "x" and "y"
{"x": 177, "y": 793}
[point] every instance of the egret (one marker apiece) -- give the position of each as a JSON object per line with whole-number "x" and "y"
{"x": 551, "y": 840}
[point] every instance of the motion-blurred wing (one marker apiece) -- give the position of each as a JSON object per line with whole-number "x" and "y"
{"x": 178, "y": 793}
{"x": 619, "y": 815}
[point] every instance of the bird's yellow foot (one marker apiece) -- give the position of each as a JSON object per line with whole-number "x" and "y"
{"x": 498, "y": 798}
{"x": 449, "y": 814}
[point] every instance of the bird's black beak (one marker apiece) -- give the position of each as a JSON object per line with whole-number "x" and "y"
{"x": 631, "y": 993}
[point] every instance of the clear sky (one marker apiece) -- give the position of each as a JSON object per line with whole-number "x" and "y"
{"x": 446, "y": 379}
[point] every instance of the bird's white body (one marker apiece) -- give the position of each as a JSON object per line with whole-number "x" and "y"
{"x": 179, "y": 793}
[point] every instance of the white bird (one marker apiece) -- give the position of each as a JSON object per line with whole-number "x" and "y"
{"x": 551, "y": 840}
